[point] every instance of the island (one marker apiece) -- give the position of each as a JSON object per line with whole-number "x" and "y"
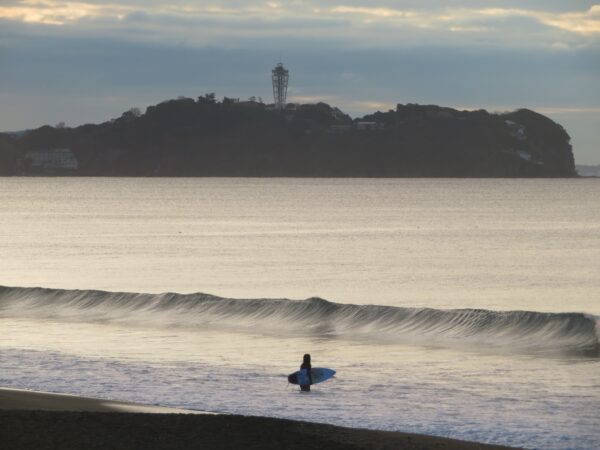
{"x": 207, "y": 137}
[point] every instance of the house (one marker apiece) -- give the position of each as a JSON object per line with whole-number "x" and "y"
{"x": 516, "y": 130}
{"x": 365, "y": 126}
{"x": 524, "y": 155}
{"x": 340, "y": 129}
{"x": 51, "y": 159}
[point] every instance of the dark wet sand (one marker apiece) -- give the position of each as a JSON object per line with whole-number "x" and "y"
{"x": 69, "y": 422}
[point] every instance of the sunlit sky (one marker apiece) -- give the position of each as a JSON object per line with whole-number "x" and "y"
{"x": 88, "y": 61}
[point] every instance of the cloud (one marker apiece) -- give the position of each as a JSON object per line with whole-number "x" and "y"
{"x": 585, "y": 22}
{"x": 312, "y": 98}
{"x": 373, "y": 12}
{"x": 355, "y": 23}
{"x": 568, "y": 110}
{"x": 49, "y": 12}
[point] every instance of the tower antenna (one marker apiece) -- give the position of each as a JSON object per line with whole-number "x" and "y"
{"x": 280, "y": 76}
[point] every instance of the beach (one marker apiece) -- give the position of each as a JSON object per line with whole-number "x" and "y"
{"x": 38, "y": 420}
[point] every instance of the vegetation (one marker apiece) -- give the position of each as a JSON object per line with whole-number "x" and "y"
{"x": 207, "y": 137}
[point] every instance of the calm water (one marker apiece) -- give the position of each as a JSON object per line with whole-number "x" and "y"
{"x": 486, "y": 245}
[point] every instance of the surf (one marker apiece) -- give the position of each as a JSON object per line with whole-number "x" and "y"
{"x": 572, "y": 333}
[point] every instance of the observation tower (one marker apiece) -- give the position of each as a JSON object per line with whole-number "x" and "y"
{"x": 280, "y": 76}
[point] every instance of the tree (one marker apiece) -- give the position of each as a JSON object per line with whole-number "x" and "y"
{"x": 229, "y": 101}
{"x": 208, "y": 98}
{"x": 131, "y": 114}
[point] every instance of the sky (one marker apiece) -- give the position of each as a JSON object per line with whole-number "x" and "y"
{"x": 88, "y": 61}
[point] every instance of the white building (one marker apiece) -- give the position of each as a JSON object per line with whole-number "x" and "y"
{"x": 516, "y": 130}
{"x": 52, "y": 158}
{"x": 524, "y": 155}
{"x": 368, "y": 126}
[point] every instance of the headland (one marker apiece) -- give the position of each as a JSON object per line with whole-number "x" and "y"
{"x": 205, "y": 137}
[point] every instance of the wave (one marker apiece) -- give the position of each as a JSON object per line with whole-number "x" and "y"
{"x": 572, "y": 333}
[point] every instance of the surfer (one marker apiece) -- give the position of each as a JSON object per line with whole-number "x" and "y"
{"x": 308, "y": 367}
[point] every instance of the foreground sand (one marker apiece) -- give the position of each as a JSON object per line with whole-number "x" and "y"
{"x": 33, "y": 420}
{"x": 31, "y": 400}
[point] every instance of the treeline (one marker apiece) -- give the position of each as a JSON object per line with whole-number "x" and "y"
{"x": 206, "y": 137}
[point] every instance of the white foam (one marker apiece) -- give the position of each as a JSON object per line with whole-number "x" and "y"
{"x": 573, "y": 333}
{"x": 500, "y": 398}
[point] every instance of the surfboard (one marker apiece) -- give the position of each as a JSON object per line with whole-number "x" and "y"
{"x": 319, "y": 374}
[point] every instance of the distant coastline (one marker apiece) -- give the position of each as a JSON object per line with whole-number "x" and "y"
{"x": 588, "y": 171}
{"x": 206, "y": 137}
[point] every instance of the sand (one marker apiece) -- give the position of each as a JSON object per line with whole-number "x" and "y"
{"x": 31, "y": 400}
{"x": 36, "y": 420}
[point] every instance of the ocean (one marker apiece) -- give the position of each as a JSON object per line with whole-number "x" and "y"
{"x": 459, "y": 308}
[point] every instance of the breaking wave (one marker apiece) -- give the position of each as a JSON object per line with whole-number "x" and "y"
{"x": 573, "y": 333}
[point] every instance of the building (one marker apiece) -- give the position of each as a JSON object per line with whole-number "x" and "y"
{"x": 51, "y": 159}
{"x": 368, "y": 126}
{"x": 516, "y": 130}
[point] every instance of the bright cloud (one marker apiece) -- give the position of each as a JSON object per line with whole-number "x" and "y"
{"x": 375, "y": 12}
{"x": 57, "y": 12}
{"x": 360, "y": 20}
{"x": 586, "y": 22}
{"x": 50, "y": 12}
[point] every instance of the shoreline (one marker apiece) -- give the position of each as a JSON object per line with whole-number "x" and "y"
{"x": 27, "y": 400}
{"x": 41, "y": 420}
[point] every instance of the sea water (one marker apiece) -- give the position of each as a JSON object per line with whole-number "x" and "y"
{"x": 460, "y": 308}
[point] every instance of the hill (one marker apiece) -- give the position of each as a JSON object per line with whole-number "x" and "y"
{"x": 206, "y": 137}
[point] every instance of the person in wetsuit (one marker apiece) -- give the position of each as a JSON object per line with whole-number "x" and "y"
{"x": 306, "y": 365}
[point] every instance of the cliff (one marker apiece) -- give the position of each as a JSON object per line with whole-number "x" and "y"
{"x": 204, "y": 137}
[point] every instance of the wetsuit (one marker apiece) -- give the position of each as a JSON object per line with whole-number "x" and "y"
{"x": 308, "y": 367}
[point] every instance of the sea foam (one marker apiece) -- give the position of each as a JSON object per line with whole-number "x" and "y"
{"x": 541, "y": 332}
